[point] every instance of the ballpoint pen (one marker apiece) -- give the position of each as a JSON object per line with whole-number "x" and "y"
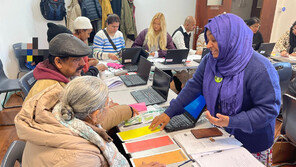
{"x": 206, "y": 154}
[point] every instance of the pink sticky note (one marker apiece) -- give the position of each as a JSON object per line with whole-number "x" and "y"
{"x": 139, "y": 106}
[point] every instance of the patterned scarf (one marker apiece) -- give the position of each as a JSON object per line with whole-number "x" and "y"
{"x": 109, "y": 150}
{"x": 223, "y": 77}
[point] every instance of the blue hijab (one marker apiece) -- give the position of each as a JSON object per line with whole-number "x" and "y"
{"x": 234, "y": 39}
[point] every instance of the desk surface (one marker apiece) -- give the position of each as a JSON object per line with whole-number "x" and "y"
{"x": 284, "y": 59}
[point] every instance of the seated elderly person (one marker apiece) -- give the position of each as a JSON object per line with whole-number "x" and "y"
{"x": 64, "y": 63}
{"x": 55, "y": 132}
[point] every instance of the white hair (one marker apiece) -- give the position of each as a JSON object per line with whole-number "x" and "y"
{"x": 82, "y": 96}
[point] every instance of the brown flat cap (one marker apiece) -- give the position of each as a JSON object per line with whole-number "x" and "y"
{"x": 67, "y": 45}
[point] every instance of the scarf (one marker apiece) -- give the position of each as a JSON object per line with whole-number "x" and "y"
{"x": 223, "y": 76}
{"x": 109, "y": 150}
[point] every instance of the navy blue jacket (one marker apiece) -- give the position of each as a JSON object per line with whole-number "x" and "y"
{"x": 254, "y": 125}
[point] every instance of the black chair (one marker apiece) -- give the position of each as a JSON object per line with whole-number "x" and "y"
{"x": 284, "y": 70}
{"x": 289, "y": 118}
{"x": 7, "y": 85}
{"x": 20, "y": 55}
{"x": 27, "y": 82}
{"x": 14, "y": 153}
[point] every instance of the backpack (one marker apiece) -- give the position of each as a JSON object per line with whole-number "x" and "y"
{"x": 53, "y": 9}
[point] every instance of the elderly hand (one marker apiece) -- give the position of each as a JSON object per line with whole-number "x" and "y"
{"x": 112, "y": 56}
{"x": 162, "y": 120}
{"x": 152, "y": 164}
{"x": 152, "y": 54}
{"x": 284, "y": 54}
{"x": 102, "y": 67}
{"x": 92, "y": 61}
{"x": 221, "y": 121}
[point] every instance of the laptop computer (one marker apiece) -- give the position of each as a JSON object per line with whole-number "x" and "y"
{"x": 158, "y": 92}
{"x": 142, "y": 75}
{"x": 176, "y": 56}
{"x": 265, "y": 49}
{"x": 188, "y": 119}
{"x": 130, "y": 58}
{"x": 205, "y": 51}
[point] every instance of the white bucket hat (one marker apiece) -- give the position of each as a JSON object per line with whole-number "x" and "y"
{"x": 81, "y": 23}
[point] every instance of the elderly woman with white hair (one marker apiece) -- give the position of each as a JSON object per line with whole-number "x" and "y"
{"x": 56, "y": 133}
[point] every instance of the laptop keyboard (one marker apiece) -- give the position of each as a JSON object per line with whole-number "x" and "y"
{"x": 149, "y": 96}
{"x": 131, "y": 68}
{"x": 178, "y": 122}
{"x": 132, "y": 80}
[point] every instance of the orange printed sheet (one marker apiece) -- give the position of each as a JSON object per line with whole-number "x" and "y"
{"x": 166, "y": 158}
{"x": 142, "y": 145}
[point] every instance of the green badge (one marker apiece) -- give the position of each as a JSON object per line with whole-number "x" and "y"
{"x": 218, "y": 79}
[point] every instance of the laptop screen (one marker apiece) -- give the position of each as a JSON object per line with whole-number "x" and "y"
{"x": 130, "y": 55}
{"x": 266, "y": 48}
{"x": 144, "y": 67}
{"x": 176, "y": 56}
{"x": 161, "y": 83}
{"x": 196, "y": 107}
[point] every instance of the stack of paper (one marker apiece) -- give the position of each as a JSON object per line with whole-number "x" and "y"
{"x": 194, "y": 146}
{"x": 238, "y": 157}
{"x": 113, "y": 82}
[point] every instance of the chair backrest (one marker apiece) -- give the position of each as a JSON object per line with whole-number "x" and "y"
{"x": 289, "y": 117}
{"x": 26, "y": 82}
{"x": 284, "y": 70}
{"x": 2, "y": 74}
{"x": 14, "y": 153}
{"x": 20, "y": 55}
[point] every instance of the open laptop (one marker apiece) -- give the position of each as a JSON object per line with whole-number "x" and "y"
{"x": 265, "y": 49}
{"x": 142, "y": 75}
{"x": 188, "y": 119}
{"x": 130, "y": 58}
{"x": 205, "y": 51}
{"x": 158, "y": 92}
{"x": 176, "y": 56}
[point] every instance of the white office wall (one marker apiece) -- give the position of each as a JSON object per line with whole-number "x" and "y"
{"x": 175, "y": 12}
{"x": 20, "y": 20}
{"x": 283, "y": 20}
{"x": 242, "y": 8}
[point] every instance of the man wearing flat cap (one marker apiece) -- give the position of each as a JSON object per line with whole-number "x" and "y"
{"x": 65, "y": 61}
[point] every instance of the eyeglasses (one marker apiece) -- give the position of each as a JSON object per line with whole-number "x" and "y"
{"x": 255, "y": 26}
{"x": 294, "y": 28}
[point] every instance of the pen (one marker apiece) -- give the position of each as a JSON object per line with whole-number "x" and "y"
{"x": 185, "y": 162}
{"x": 203, "y": 155}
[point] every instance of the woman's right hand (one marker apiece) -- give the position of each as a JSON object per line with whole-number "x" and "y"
{"x": 112, "y": 56}
{"x": 152, "y": 164}
{"x": 152, "y": 54}
{"x": 284, "y": 53}
{"x": 162, "y": 120}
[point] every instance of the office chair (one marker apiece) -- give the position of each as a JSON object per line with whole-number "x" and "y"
{"x": 14, "y": 153}
{"x": 284, "y": 70}
{"x": 20, "y": 55}
{"x": 288, "y": 131}
{"x": 27, "y": 82}
{"x": 7, "y": 85}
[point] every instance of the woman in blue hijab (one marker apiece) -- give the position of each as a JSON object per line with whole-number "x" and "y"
{"x": 241, "y": 87}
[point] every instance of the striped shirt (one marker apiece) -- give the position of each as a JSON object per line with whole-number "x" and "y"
{"x": 102, "y": 46}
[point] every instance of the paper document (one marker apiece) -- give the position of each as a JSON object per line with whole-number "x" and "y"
{"x": 166, "y": 158}
{"x": 136, "y": 133}
{"x": 194, "y": 146}
{"x": 194, "y": 57}
{"x": 131, "y": 147}
{"x": 113, "y": 82}
{"x": 238, "y": 157}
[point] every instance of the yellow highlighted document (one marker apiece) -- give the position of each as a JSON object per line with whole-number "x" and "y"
{"x": 135, "y": 133}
